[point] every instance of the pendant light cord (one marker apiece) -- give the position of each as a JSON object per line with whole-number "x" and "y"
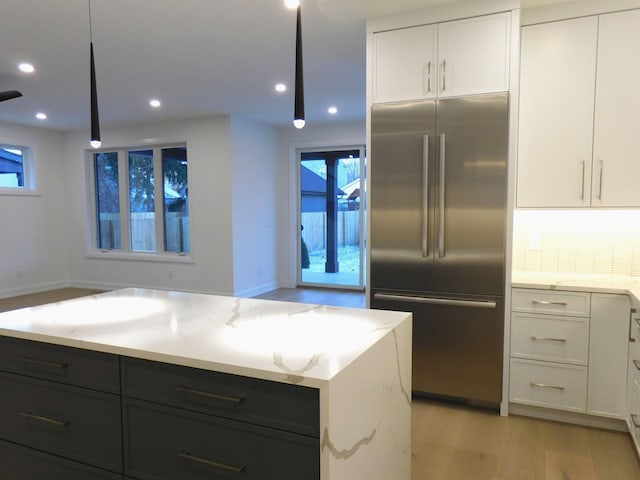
{"x": 90, "y": 26}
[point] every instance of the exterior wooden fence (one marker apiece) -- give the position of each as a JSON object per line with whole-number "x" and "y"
{"x": 143, "y": 232}
{"x": 315, "y": 229}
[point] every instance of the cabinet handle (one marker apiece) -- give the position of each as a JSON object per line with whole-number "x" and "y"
{"x": 635, "y": 420}
{"x": 545, "y": 385}
{"x": 631, "y": 312}
{"x": 44, "y": 363}
{"x": 444, "y": 75}
{"x": 50, "y": 421}
{"x": 545, "y": 302}
{"x": 636, "y": 363}
{"x": 215, "y": 396}
{"x": 187, "y": 456}
{"x": 429, "y": 77}
{"x": 441, "y": 207}
{"x": 583, "y": 174}
{"x": 601, "y": 173}
{"x": 550, "y": 339}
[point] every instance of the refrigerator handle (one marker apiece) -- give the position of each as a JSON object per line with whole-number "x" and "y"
{"x": 425, "y": 196}
{"x": 441, "y": 206}
{"x": 436, "y": 301}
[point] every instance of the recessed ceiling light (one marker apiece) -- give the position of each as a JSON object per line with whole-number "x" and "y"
{"x": 281, "y": 87}
{"x": 155, "y": 103}
{"x": 292, "y": 3}
{"x": 41, "y": 116}
{"x": 332, "y": 110}
{"x": 26, "y": 68}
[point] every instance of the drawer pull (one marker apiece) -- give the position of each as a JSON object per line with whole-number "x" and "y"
{"x": 546, "y": 385}
{"x": 549, "y": 339}
{"x": 545, "y": 302}
{"x": 44, "y": 363}
{"x": 50, "y": 421}
{"x": 635, "y": 420}
{"x": 215, "y": 396}
{"x": 636, "y": 364}
{"x": 187, "y": 456}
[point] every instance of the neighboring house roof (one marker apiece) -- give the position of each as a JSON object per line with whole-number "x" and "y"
{"x": 313, "y": 184}
{"x": 10, "y": 162}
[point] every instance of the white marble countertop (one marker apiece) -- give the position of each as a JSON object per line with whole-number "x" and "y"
{"x": 280, "y": 341}
{"x": 620, "y": 284}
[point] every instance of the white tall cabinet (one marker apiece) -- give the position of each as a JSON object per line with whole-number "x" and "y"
{"x": 578, "y": 103}
{"x": 461, "y": 57}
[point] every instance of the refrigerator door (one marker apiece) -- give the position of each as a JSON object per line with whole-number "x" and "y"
{"x": 401, "y": 203}
{"x": 457, "y": 345}
{"x": 472, "y": 141}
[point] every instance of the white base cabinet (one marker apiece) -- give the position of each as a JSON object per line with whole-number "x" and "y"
{"x": 569, "y": 351}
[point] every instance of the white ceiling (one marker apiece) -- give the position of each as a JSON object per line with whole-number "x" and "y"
{"x": 200, "y": 57}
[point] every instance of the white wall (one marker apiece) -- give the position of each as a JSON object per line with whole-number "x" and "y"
{"x": 209, "y": 156}
{"x": 255, "y": 186}
{"x": 33, "y": 254}
{"x": 291, "y": 140}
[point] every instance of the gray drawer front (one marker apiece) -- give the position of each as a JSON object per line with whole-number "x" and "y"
{"x": 165, "y": 443}
{"x": 76, "y": 423}
{"x": 279, "y": 405}
{"x": 61, "y": 364}
{"x": 20, "y": 463}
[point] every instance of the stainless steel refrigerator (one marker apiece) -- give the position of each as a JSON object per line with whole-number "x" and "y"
{"x": 438, "y": 208}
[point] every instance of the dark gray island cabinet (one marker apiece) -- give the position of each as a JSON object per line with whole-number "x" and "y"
{"x": 154, "y": 385}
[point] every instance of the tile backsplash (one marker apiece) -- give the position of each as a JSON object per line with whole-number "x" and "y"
{"x": 582, "y": 241}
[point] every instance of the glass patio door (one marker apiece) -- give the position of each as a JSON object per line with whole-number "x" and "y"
{"x": 331, "y": 218}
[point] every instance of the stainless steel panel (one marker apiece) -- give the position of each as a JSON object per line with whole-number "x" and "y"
{"x": 457, "y": 350}
{"x": 401, "y": 209}
{"x": 474, "y": 134}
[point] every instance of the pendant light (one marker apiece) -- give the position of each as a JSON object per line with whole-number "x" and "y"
{"x": 95, "y": 121}
{"x": 298, "y": 108}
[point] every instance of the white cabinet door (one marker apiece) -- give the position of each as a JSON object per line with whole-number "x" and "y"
{"x": 608, "y": 355}
{"x": 473, "y": 55}
{"x": 617, "y": 141}
{"x": 557, "y": 82}
{"x": 405, "y": 64}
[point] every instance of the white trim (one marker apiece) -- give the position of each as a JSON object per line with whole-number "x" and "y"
{"x": 259, "y": 290}
{"x": 26, "y": 290}
{"x": 569, "y": 417}
{"x": 575, "y": 9}
{"x": 139, "y": 256}
{"x": 18, "y": 192}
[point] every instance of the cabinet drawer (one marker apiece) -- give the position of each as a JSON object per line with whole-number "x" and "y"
{"x": 167, "y": 443}
{"x": 550, "y": 338}
{"x": 73, "y": 422}
{"x": 634, "y": 413}
{"x": 20, "y": 463}
{"x": 551, "y": 302}
{"x": 546, "y": 384}
{"x": 61, "y": 364}
{"x": 279, "y": 405}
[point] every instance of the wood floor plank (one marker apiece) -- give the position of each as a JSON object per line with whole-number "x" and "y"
{"x": 610, "y": 457}
{"x": 565, "y": 466}
{"x": 523, "y": 456}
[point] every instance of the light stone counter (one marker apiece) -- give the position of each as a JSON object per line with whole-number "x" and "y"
{"x": 360, "y": 360}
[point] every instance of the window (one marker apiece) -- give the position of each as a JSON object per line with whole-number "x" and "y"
{"x": 14, "y": 167}
{"x": 141, "y": 200}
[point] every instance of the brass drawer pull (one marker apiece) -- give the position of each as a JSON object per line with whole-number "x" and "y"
{"x": 50, "y": 421}
{"x": 545, "y": 302}
{"x": 215, "y": 396}
{"x": 545, "y": 385}
{"x": 635, "y": 420}
{"x": 44, "y": 363}
{"x": 549, "y": 339}
{"x": 187, "y": 456}
{"x": 636, "y": 363}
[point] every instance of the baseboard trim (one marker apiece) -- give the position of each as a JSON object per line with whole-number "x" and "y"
{"x": 26, "y": 290}
{"x": 568, "y": 417}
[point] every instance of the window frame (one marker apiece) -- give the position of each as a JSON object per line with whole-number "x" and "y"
{"x": 125, "y": 252}
{"x": 28, "y": 172}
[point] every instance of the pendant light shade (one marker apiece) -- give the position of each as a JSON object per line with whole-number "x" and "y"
{"x": 95, "y": 120}
{"x": 298, "y": 108}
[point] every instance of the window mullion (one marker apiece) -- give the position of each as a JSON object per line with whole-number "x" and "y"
{"x": 125, "y": 207}
{"x": 158, "y": 174}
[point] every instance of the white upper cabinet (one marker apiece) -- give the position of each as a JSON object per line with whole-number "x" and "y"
{"x": 557, "y": 82}
{"x": 473, "y": 56}
{"x": 616, "y": 139}
{"x": 579, "y": 100}
{"x": 406, "y": 65}
{"x": 462, "y": 57}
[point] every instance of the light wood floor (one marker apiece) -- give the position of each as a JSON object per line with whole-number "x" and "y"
{"x": 454, "y": 442}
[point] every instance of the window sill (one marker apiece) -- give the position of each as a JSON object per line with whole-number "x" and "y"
{"x": 19, "y": 192}
{"x": 139, "y": 257}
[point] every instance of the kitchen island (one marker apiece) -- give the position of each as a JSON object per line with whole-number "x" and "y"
{"x": 249, "y": 386}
